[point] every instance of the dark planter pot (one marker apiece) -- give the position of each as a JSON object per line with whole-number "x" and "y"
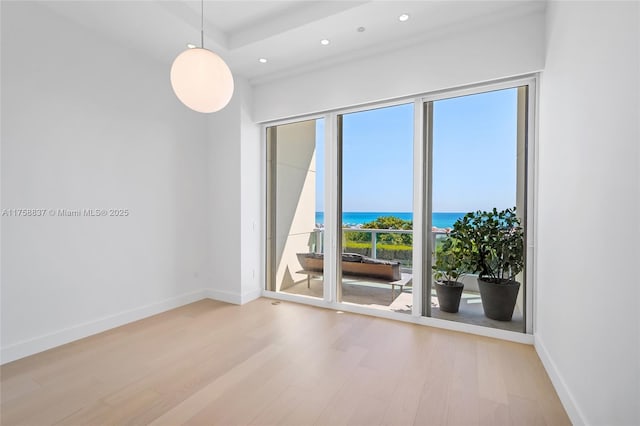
{"x": 498, "y": 300}
{"x": 449, "y": 295}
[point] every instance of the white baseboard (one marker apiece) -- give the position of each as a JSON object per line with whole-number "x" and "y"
{"x": 566, "y": 397}
{"x": 224, "y": 296}
{"x": 70, "y": 334}
{"x": 233, "y": 297}
{"x": 61, "y": 337}
{"x": 251, "y": 295}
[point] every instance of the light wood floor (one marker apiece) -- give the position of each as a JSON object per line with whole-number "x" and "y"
{"x": 263, "y": 363}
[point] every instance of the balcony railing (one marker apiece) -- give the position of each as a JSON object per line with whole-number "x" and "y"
{"x": 373, "y": 253}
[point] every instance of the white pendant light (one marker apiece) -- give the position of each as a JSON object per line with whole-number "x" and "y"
{"x": 200, "y": 78}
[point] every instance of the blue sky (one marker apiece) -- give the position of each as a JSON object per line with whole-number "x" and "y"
{"x": 474, "y": 156}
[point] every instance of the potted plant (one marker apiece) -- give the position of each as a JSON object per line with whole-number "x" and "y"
{"x": 447, "y": 268}
{"x": 493, "y": 246}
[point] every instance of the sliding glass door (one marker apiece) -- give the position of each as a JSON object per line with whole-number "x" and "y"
{"x": 295, "y": 197}
{"x": 477, "y": 164}
{"x": 362, "y": 203}
{"x": 376, "y": 205}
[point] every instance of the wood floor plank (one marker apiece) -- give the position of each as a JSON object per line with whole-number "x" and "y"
{"x": 463, "y": 388}
{"x": 18, "y": 386}
{"x": 200, "y": 399}
{"x": 524, "y": 411}
{"x": 404, "y": 399}
{"x": 257, "y": 391}
{"x": 491, "y": 385}
{"x": 265, "y": 363}
{"x": 492, "y": 413}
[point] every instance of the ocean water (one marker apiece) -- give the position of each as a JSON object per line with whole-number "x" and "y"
{"x": 439, "y": 219}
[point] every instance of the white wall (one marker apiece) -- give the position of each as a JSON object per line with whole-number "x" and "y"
{"x": 588, "y": 301}
{"x": 514, "y": 47}
{"x": 251, "y": 185}
{"x": 234, "y": 199}
{"x": 224, "y": 201}
{"x": 86, "y": 123}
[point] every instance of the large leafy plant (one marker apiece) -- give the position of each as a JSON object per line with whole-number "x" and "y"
{"x": 492, "y": 243}
{"x": 449, "y": 265}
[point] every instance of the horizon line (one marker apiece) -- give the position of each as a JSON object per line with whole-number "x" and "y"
{"x": 367, "y": 211}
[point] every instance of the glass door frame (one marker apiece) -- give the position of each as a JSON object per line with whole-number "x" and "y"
{"x": 337, "y": 206}
{"x": 529, "y": 186}
{"x": 268, "y": 202}
{"x": 422, "y": 162}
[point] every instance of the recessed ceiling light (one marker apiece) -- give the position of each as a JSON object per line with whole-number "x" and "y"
{"x": 360, "y": 29}
{"x": 403, "y": 17}
{"x": 191, "y": 46}
{"x": 324, "y": 42}
{"x": 263, "y": 60}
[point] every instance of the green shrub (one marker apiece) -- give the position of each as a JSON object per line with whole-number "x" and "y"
{"x": 492, "y": 243}
{"x": 384, "y": 222}
{"x": 448, "y": 264}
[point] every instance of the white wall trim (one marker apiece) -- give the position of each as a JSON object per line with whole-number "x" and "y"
{"x": 233, "y": 297}
{"x": 224, "y": 296}
{"x": 566, "y": 397}
{"x": 57, "y": 338}
{"x": 70, "y": 334}
{"x": 249, "y": 296}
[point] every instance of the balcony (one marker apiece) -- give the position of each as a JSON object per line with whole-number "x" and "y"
{"x": 395, "y": 296}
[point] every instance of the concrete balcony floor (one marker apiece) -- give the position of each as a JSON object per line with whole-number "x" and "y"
{"x": 379, "y": 296}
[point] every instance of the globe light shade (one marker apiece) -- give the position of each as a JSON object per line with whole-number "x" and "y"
{"x": 201, "y": 80}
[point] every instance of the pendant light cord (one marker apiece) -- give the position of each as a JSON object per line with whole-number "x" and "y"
{"x": 202, "y": 23}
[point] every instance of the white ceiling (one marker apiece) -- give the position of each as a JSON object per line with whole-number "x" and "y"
{"x": 287, "y": 33}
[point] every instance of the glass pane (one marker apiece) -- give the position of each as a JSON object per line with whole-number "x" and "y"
{"x": 295, "y": 259}
{"x": 377, "y": 206}
{"x": 478, "y": 164}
